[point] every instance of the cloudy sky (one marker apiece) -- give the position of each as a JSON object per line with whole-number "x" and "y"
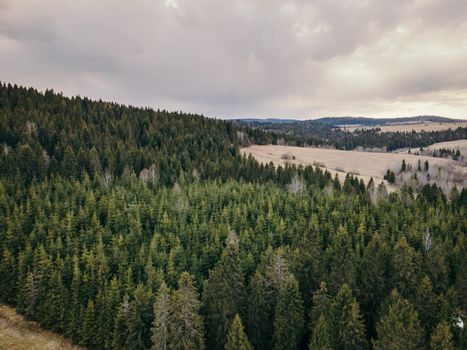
{"x": 245, "y": 58}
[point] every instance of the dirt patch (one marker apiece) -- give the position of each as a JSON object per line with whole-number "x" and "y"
{"x": 16, "y": 333}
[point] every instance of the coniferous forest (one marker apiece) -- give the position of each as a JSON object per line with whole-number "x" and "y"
{"x": 130, "y": 228}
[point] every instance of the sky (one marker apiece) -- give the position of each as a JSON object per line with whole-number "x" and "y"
{"x": 245, "y": 58}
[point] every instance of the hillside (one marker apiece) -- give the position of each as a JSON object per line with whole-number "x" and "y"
{"x": 45, "y": 134}
{"x": 357, "y": 136}
{"x": 131, "y": 228}
{"x": 348, "y": 121}
{"x": 16, "y": 333}
{"x": 444, "y": 172}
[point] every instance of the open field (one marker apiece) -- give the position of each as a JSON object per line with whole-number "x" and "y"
{"x": 460, "y": 145}
{"x": 16, "y": 333}
{"x": 365, "y": 165}
{"x": 409, "y": 127}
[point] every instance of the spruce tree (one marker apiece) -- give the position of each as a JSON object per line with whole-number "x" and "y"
{"x": 120, "y": 333}
{"x": 399, "y": 327}
{"x": 186, "y": 327}
{"x": 372, "y": 279}
{"x": 140, "y": 319}
{"x": 321, "y": 338}
{"x": 341, "y": 255}
{"x": 441, "y": 338}
{"x": 347, "y": 327}
{"x": 236, "y": 337}
{"x": 224, "y": 294}
{"x": 88, "y": 331}
{"x": 288, "y": 321}
{"x": 162, "y": 318}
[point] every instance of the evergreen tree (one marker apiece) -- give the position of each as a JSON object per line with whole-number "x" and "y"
{"x": 405, "y": 268}
{"x": 224, "y": 293}
{"x": 140, "y": 319}
{"x": 399, "y": 328}
{"x": 441, "y": 338}
{"x": 288, "y": 321}
{"x": 162, "y": 318}
{"x": 236, "y": 337}
{"x": 372, "y": 279}
{"x": 321, "y": 337}
{"x": 186, "y": 327}
{"x": 341, "y": 254}
{"x": 120, "y": 333}
{"x": 348, "y": 330}
{"x": 89, "y": 325}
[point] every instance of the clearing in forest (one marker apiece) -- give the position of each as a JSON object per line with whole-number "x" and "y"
{"x": 16, "y": 333}
{"x": 365, "y": 165}
{"x": 409, "y": 127}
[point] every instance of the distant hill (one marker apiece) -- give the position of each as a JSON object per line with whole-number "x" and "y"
{"x": 384, "y": 121}
{"x": 267, "y": 120}
{"x": 347, "y": 121}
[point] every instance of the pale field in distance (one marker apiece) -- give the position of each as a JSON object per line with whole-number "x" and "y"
{"x": 365, "y": 165}
{"x": 16, "y": 333}
{"x": 409, "y": 127}
{"x": 460, "y": 145}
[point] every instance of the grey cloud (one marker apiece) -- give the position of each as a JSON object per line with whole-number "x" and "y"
{"x": 243, "y": 57}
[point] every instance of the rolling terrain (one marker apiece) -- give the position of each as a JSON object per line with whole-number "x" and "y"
{"x": 365, "y": 165}
{"x": 418, "y": 127}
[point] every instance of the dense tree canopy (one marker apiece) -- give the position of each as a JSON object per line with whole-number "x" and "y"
{"x": 207, "y": 249}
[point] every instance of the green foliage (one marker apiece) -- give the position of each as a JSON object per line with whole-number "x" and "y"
{"x": 224, "y": 293}
{"x": 400, "y": 327}
{"x": 441, "y": 339}
{"x": 162, "y": 317}
{"x": 115, "y": 260}
{"x": 347, "y": 327}
{"x": 236, "y": 337}
{"x": 288, "y": 320}
{"x": 186, "y": 328}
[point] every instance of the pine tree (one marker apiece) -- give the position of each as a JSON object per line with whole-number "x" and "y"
{"x": 288, "y": 321}
{"x": 399, "y": 328}
{"x": 372, "y": 279}
{"x": 320, "y": 337}
{"x": 186, "y": 328}
{"x": 162, "y": 318}
{"x": 441, "y": 338}
{"x": 341, "y": 254}
{"x": 426, "y": 305}
{"x": 88, "y": 330}
{"x": 120, "y": 333}
{"x": 236, "y": 337}
{"x": 7, "y": 276}
{"x": 348, "y": 330}
{"x": 140, "y": 319}
{"x": 224, "y": 294}
{"x": 405, "y": 268}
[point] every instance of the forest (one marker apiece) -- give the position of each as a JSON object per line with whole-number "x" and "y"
{"x": 321, "y": 132}
{"x": 130, "y": 228}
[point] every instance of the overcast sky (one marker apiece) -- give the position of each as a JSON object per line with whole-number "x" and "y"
{"x": 245, "y": 58}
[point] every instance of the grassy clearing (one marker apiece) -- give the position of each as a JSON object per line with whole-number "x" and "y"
{"x": 365, "y": 165}
{"x": 409, "y": 127}
{"x": 16, "y": 333}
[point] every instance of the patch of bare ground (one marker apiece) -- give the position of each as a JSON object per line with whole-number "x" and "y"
{"x": 16, "y": 333}
{"x": 364, "y": 165}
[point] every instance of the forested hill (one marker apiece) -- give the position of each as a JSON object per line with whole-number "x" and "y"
{"x": 45, "y": 134}
{"x": 128, "y": 228}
